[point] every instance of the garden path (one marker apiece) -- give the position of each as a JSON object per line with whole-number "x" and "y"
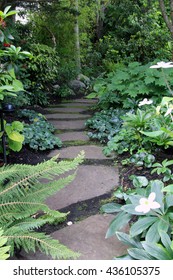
{"x": 96, "y": 178}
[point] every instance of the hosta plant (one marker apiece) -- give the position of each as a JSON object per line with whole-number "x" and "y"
{"x": 152, "y": 209}
{"x": 23, "y": 191}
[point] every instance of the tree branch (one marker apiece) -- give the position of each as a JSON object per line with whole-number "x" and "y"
{"x": 165, "y": 16}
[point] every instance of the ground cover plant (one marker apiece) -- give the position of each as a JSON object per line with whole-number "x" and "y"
{"x": 38, "y": 134}
{"x": 22, "y": 195}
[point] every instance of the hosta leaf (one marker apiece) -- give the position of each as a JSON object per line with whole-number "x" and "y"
{"x": 141, "y": 225}
{"x": 119, "y": 222}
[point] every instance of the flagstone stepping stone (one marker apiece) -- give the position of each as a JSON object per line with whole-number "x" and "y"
{"x": 73, "y": 136}
{"x": 69, "y": 124}
{"x": 87, "y": 237}
{"x": 82, "y": 100}
{"x": 66, "y": 116}
{"x": 90, "y": 181}
{"x": 66, "y": 110}
{"x": 91, "y": 152}
{"x": 75, "y": 105}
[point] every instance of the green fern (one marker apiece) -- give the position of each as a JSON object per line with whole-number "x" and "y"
{"x": 23, "y": 191}
{"x": 3, "y": 248}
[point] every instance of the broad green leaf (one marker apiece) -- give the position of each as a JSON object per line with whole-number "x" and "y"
{"x": 119, "y": 222}
{"x": 139, "y": 254}
{"x": 152, "y": 234}
{"x": 111, "y": 208}
{"x": 157, "y": 186}
{"x": 152, "y": 133}
{"x": 7, "y": 9}
{"x": 166, "y": 242}
{"x": 15, "y": 146}
{"x": 16, "y": 136}
{"x": 169, "y": 188}
{"x": 140, "y": 181}
{"x": 141, "y": 225}
{"x": 16, "y": 125}
{"x": 125, "y": 238}
{"x": 157, "y": 251}
{"x": 163, "y": 224}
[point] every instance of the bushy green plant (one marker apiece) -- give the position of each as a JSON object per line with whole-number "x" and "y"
{"x": 151, "y": 221}
{"x": 43, "y": 67}
{"x": 39, "y": 133}
{"x": 128, "y": 84}
{"x": 22, "y": 196}
{"x": 105, "y": 124}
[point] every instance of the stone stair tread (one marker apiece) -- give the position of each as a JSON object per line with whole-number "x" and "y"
{"x": 88, "y": 238}
{"x": 91, "y": 152}
{"x": 73, "y": 136}
{"x": 66, "y": 116}
{"x": 91, "y": 181}
{"x": 69, "y": 124}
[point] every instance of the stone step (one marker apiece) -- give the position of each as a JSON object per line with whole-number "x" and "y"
{"x": 68, "y": 124}
{"x": 82, "y": 101}
{"x": 91, "y": 181}
{"x": 91, "y": 152}
{"x": 66, "y": 110}
{"x": 55, "y": 116}
{"x": 88, "y": 238}
{"x": 75, "y": 105}
{"x": 73, "y": 136}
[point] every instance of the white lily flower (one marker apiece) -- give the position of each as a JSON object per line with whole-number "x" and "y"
{"x": 146, "y": 204}
{"x": 145, "y": 101}
{"x": 163, "y": 64}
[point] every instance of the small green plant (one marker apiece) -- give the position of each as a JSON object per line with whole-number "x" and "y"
{"x": 153, "y": 214}
{"x": 14, "y": 133}
{"x": 39, "y": 133}
{"x": 105, "y": 124}
{"x": 22, "y": 205}
{"x": 162, "y": 168}
{"x": 142, "y": 159}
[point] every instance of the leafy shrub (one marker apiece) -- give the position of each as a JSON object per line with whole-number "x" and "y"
{"x": 43, "y": 67}
{"x": 128, "y": 84}
{"x": 38, "y": 135}
{"x": 22, "y": 195}
{"x": 105, "y": 124}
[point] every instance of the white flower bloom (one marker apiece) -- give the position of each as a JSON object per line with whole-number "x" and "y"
{"x": 146, "y": 204}
{"x": 69, "y": 223}
{"x": 145, "y": 102}
{"x": 163, "y": 64}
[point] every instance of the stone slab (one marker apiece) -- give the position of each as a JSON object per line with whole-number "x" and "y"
{"x": 65, "y": 110}
{"x": 91, "y": 181}
{"x": 69, "y": 124}
{"x": 85, "y": 100}
{"x": 76, "y": 105}
{"x": 73, "y": 136}
{"x": 88, "y": 238}
{"x": 68, "y": 116}
{"x": 91, "y": 152}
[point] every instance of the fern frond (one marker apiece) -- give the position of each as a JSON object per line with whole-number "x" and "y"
{"x": 4, "y": 250}
{"x": 39, "y": 241}
{"x": 32, "y": 202}
{"x": 23, "y": 190}
{"x": 28, "y": 176}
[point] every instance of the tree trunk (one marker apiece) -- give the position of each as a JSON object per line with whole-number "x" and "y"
{"x": 77, "y": 35}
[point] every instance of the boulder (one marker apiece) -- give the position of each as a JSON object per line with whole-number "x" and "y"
{"x": 77, "y": 86}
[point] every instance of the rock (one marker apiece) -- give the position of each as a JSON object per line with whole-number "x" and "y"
{"x": 84, "y": 79}
{"x": 77, "y": 86}
{"x": 56, "y": 87}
